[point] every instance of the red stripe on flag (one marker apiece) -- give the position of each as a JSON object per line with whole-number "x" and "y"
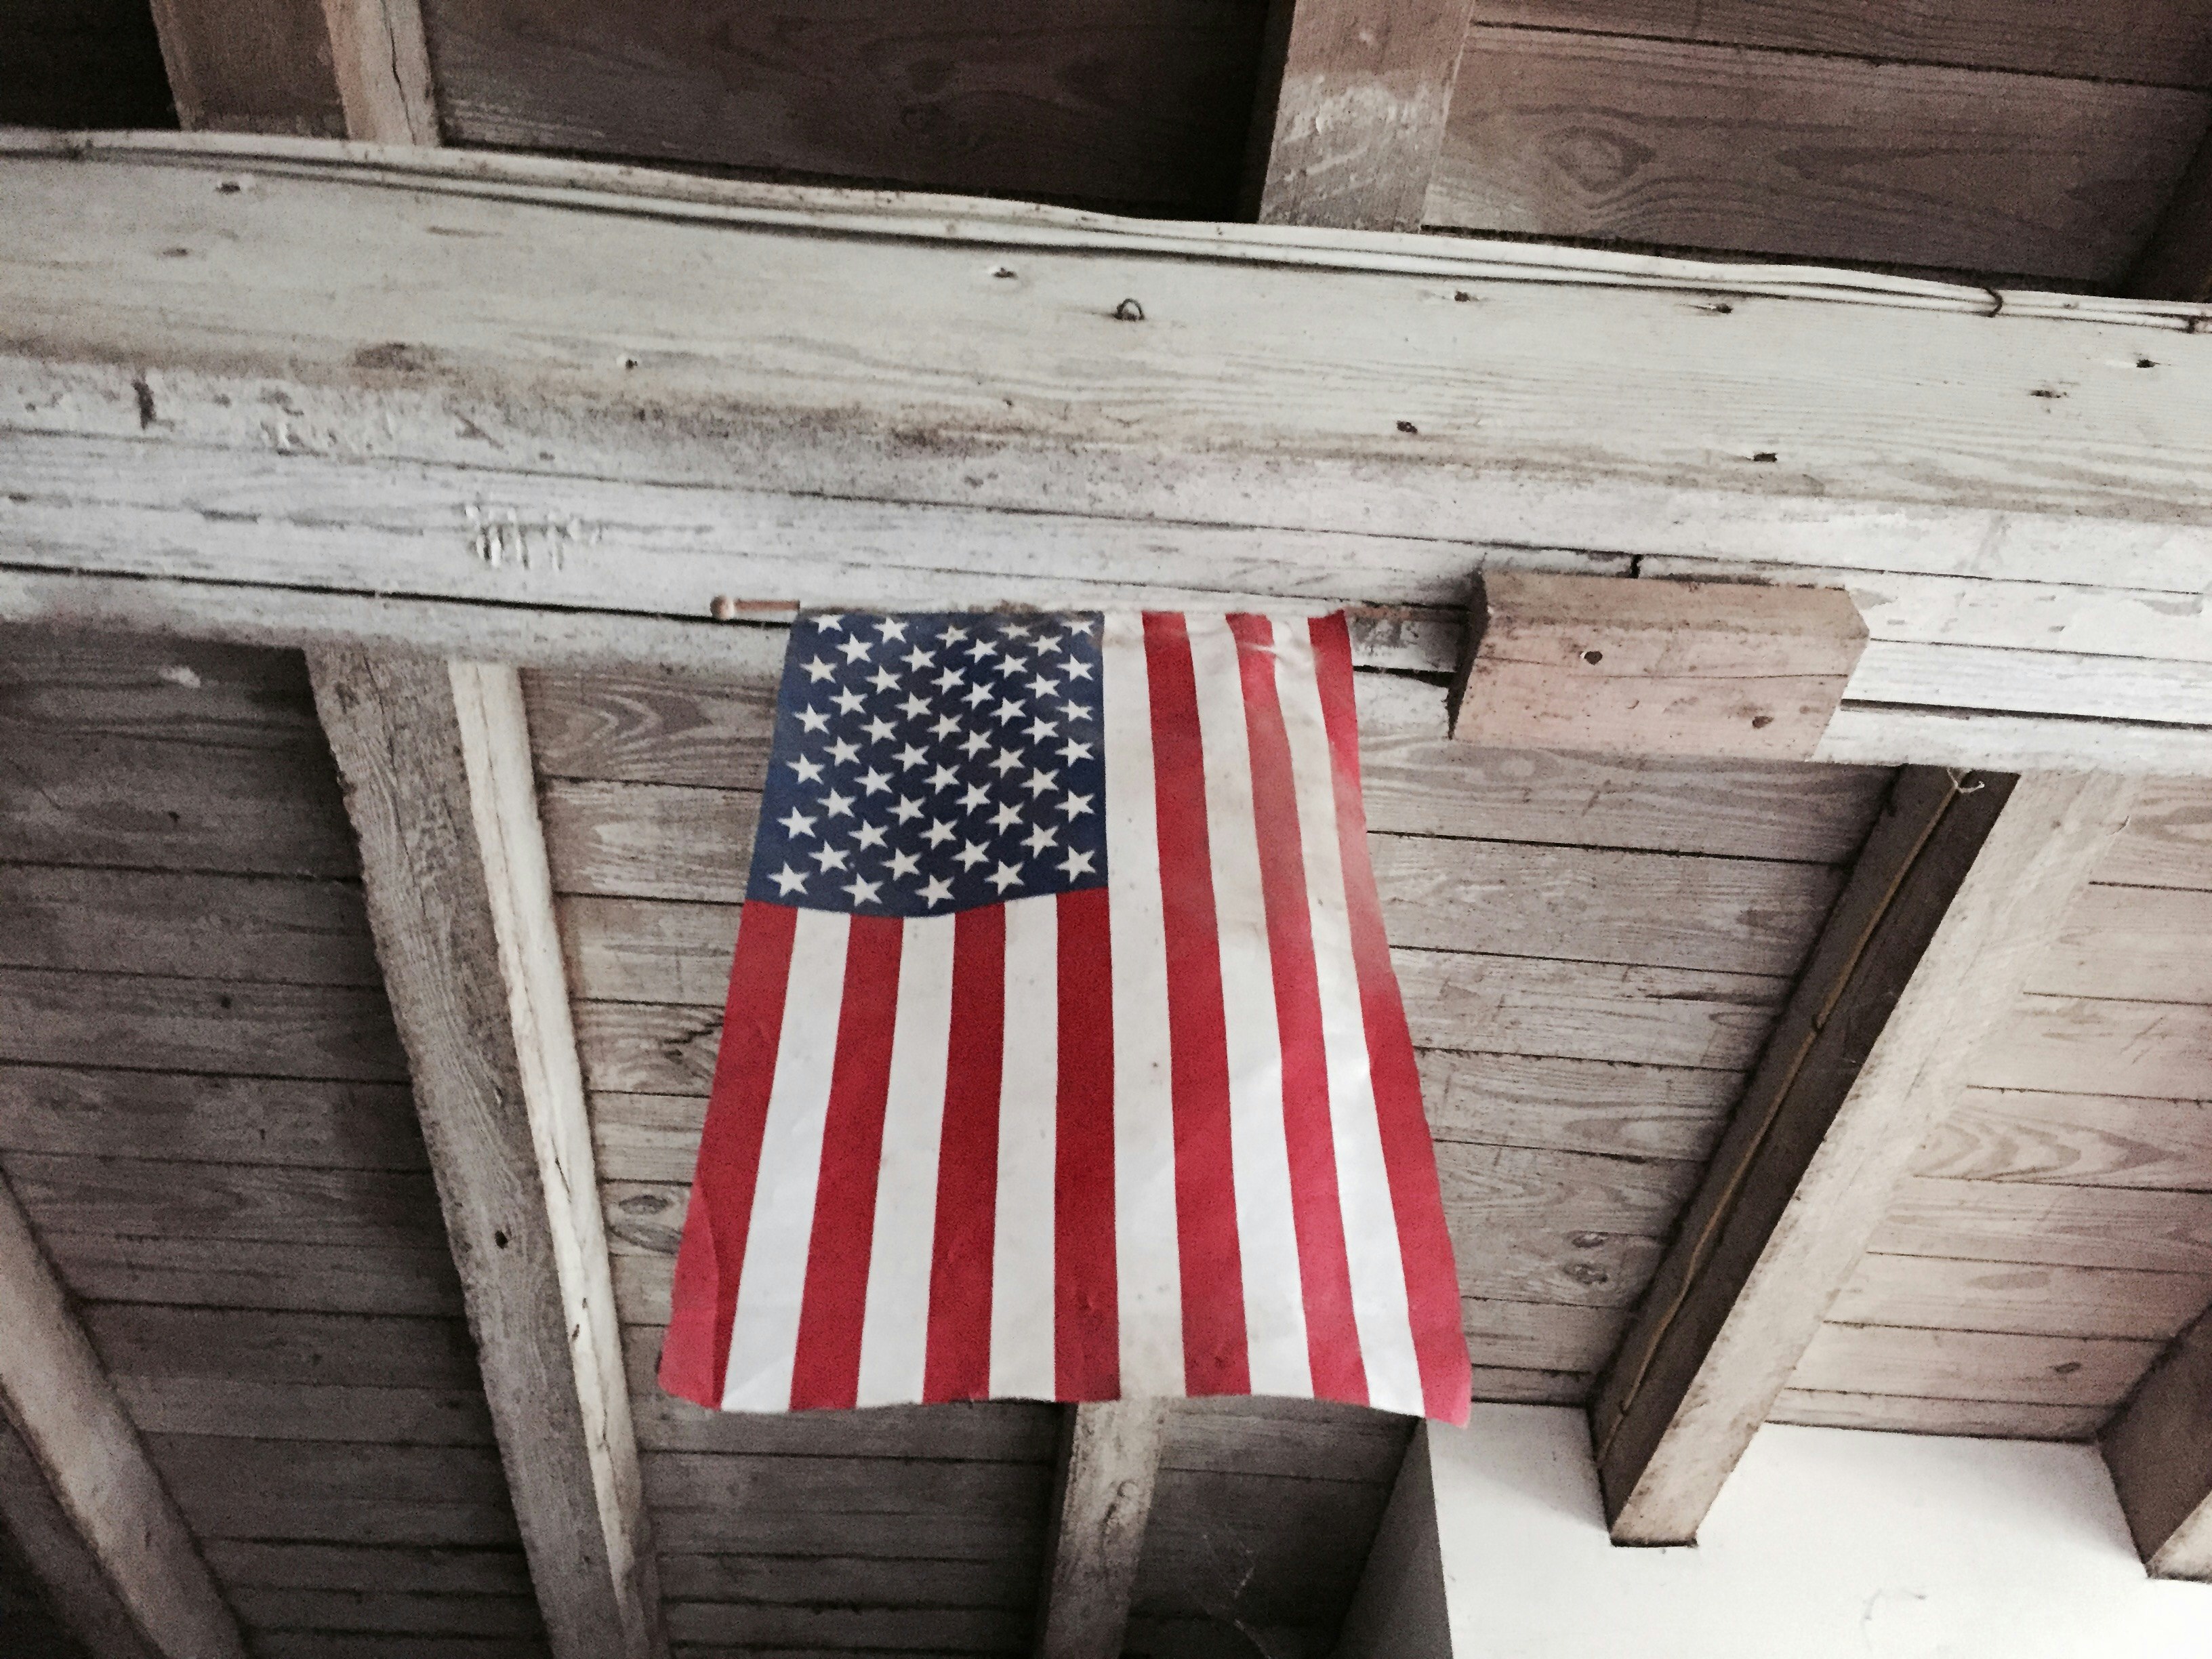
{"x": 694, "y": 1355}
{"x": 826, "y": 1365}
{"x": 1431, "y": 1281}
{"x": 1087, "y": 1343}
{"x": 1215, "y": 1357}
{"x": 1324, "y": 1267}
{"x": 958, "y": 1363}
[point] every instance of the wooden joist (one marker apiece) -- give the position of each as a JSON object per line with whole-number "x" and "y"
{"x": 382, "y": 61}
{"x": 330, "y": 395}
{"x": 1963, "y": 885}
{"x": 1721, "y": 670}
{"x": 436, "y": 758}
{"x": 77, "y": 1487}
{"x": 1361, "y": 91}
{"x": 1108, "y": 1462}
{"x": 2159, "y": 1448}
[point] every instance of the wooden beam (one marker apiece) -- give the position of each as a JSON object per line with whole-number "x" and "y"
{"x": 2176, "y": 263}
{"x": 1721, "y": 670}
{"x": 250, "y": 66}
{"x": 77, "y": 1487}
{"x": 1361, "y": 89}
{"x": 1962, "y": 887}
{"x": 2159, "y": 1448}
{"x": 382, "y": 61}
{"x": 1398, "y": 1610}
{"x": 1109, "y": 1459}
{"x": 330, "y": 394}
{"x": 436, "y": 764}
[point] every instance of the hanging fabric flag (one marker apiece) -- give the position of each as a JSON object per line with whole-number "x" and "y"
{"x": 1063, "y": 1057}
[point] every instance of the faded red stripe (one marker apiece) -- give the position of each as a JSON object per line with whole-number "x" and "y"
{"x": 694, "y": 1355}
{"x": 1216, "y": 1359}
{"x": 826, "y": 1361}
{"x": 1431, "y": 1281}
{"x": 1340, "y": 1372}
{"x": 958, "y": 1362}
{"x": 1087, "y": 1342}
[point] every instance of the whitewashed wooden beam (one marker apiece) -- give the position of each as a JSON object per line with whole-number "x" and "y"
{"x": 1721, "y": 670}
{"x": 1961, "y": 889}
{"x": 382, "y": 59}
{"x": 329, "y": 391}
{"x": 1361, "y": 88}
{"x": 2159, "y": 1448}
{"x": 80, "y": 1491}
{"x": 435, "y": 761}
{"x": 1108, "y": 1462}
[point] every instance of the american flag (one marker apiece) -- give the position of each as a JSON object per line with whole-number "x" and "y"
{"x": 1063, "y": 1057}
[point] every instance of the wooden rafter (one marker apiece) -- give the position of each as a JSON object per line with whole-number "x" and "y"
{"x": 382, "y": 59}
{"x": 466, "y": 420}
{"x": 435, "y": 760}
{"x": 1356, "y": 121}
{"x": 1961, "y": 888}
{"x": 1108, "y": 1461}
{"x": 77, "y": 1487}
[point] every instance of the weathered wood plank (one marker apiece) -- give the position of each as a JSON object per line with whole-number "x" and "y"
{"x": 251, "y": 1345}
{"x": 287, "y": 1470}
{"x": 2162, "y": 1460}
{"x": 1104, "y": 1473}
{"x": 841, "y": 1581}
{"x": 2168, "y": 44}
{"x": 2168, "y": 840}
{"x": 2059, "y": 1225}
{"x": 307, "y": 1411}
{"x": 2095, "y": 1045}
{"x": 399, "y": 1613}
{"x": 245, "y": 1564}
{"x": 792, "y": 1526}
{"x": 380, "y": 61}
{"x": 1939, "y": 1294}
{"x": 332, "y": 1033}
{"x": 356, "y": 1644}
{"x": 1135, "y": 102}
{"x": 2074, "y": 1140}
{"x": 1537, "y": 1337}
{"x": 2000, "y": 1419}
{"x": 198, "y": 926}
{"x": 271, "y": 1274}
{"x": 263, "y": 66}
{"x": 1350, "y": 116}
{"x": 1963, "y": 887}
{"x": 1613, "y": 1107}
{"x": 2058, "y": 1371}
{"x": 265, "y": 1518}
{"x": 1728, "y": 672}
{"x": 109, "y": 683}
{"x": 142, "y": 1197}
{"x": 97, "y": 1471}
{"x": 679, "y": 729}
{"x": 203, "y": 1118}
{"x": 750, "y": 1628}
{"x": 1319, "y": 1439}
{"x": 436, "y": 760}
{"x": 162, "y": 805}
{"x": 730, "y": 1482}
{"x": 1566, "y": 135}
{"x": 2133, "y": 942}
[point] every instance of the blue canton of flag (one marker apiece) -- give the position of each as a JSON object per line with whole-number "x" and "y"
{"x": 928, "y": 764}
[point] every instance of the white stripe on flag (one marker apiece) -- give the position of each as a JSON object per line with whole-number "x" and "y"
{"x": 1379, "y": 1305}
{"x": 764, "y": 1332}
{"x": 1022, "y": 1351}
{"x": 1147, "y": 1259}
{"x": 895, "y": 1327}
{"x": 1266, "y": 1228}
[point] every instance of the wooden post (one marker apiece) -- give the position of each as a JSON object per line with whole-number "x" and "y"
{"x": 1962, "y": 887}
{"x": 1109, "y": 1457}
{"x": 435, "y": 760}
{"x": 76, "y": 1485}
{"x": 383, "y": 64}
{"x": 1361, "y": 88}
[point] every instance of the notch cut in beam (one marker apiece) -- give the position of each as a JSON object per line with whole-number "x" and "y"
{"x": 439, "y": 782}
{"x": 2159, "y": 1448}
{"x": 1109, "y": 1464}
{"x": 79, "y": 1491}
{"x": 1361, "y": 89}
{"x": 1961, "y": 888}
{"x": 1723, "y": 671}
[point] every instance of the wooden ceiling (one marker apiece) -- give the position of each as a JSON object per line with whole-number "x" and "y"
{"x": 206, "y": 1113}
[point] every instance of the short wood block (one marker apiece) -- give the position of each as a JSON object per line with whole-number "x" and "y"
{"x": 1612, "y": 665}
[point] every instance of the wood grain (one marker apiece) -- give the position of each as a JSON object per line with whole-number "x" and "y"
{"x": 263, "y": 66}
{"x": 1614, "y": 1107}
{"x": 1939, "y": 1294}
{"x": 1974, "y": 1365}
{"x": 319, "y": 1411}
{"x": 2074, "y": 1140}
{"x": 2168, "y": 840}
{"x": 142, "y": 1198}
{"x": 106, "y": 684}
{"x": 343, "y": 1566}
{"x": 1104, "y": 1473}
{"x": 2002, "y": 1420}
{"x": 398, "y": 1612}
{"x": 251, "y": 1345}
{"x": 198, "y": 926}
{"x": 1139, "y": 103}
{"x": 2085, "y": 1045}
{"x": 206, "y": 1117}
{"x": 2142, "y": 942}
{"x": 276, "y": 1275}
{"x": 2058, "y": 1225}
{"x": 1717, "y": 146}
{"x": 2168, "y": 44}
